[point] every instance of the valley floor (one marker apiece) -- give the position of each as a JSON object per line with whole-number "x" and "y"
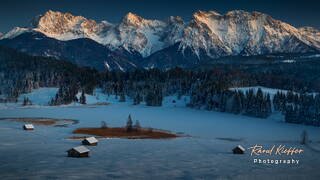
{"x": 40, "y": 154}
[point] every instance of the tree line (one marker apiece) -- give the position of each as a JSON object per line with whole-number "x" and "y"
{"x": 208, "y": 88}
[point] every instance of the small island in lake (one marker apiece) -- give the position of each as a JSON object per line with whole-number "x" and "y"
{"x": 130, "y": 131}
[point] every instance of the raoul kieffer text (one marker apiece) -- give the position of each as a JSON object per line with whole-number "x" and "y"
{"x": 275, "y": 150}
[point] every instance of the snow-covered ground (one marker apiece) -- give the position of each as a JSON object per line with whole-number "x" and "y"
{"x": 40, "y": 96}
{"x": 40, "y": 154}
{"x": 271, "y": 91}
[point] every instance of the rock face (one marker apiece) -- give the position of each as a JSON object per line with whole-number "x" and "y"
{"x": 242, "y": 33}
{"x": 133, "y": 33}
{"x": 206, "y": 36}
{"x": 311, "y": 33}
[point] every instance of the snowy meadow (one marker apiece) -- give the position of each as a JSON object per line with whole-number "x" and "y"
{"x": 205, "y": 154}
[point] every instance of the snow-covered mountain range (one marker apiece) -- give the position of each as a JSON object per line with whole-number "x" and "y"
{"x": 207, "y": 35}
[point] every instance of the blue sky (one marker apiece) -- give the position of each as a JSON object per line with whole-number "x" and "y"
{"x": 18, "y": 13}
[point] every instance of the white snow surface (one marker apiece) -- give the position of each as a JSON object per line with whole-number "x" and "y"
{"x": 271, "y": 91}
{"x": 91, "y": 140}
{"x": 81, "y": 149}
{"x": 41, "y": 96}
{"x": 14, "y": 33}
{"x": 242, "y": 148}
{"x": 207, "y": 154}
{"x": 29, "y": 126}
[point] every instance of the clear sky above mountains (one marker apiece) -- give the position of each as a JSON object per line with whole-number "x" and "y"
{"x": 19, "y": 13}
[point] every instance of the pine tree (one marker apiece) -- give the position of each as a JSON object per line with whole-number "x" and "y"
{"x": 304, "y": 137}
{"x": 150, "y": 98}
{"x": 136, "y": 99}
{"x": 289, "y": 114}
{"x": 236, "y": 106}
{"x": 25, "y": 101}
{"x": 104, "y": 124}
{"x": 137, "y": 125}
{"x": 122, "y": 97}
{"x": 83, "y": 98}
{"x": 129, "y": 123}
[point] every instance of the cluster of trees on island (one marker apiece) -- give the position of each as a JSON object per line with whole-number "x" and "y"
{"x": 130, "y": 127}
{"x": 208, "y": 88}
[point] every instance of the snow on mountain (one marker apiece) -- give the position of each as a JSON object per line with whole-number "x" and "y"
{"x": 136, "y": 33}
{"x": 133, "y": 33}
{"x": 310, "y": 36}
{"x": 1, "y": 34}
{"x": 234, "y": 33}
{"x": 65, "y": 26}
{"x": 311, "y": 32}
{"x": 241, "y": 33}
{"x": 14, "y": 33}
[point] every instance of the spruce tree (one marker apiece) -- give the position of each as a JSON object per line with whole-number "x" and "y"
{"x": 129, "y": 124}
{"x": 122, "y": 97}
{"x": 83, "y": 98}
{"x": 137, "y": 125}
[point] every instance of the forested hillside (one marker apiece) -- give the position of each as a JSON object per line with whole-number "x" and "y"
{"x": 208, "y": 88}
{"x": 21, "y": 73}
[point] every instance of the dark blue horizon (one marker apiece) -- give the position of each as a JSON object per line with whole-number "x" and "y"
{"x": 297, "y": 13}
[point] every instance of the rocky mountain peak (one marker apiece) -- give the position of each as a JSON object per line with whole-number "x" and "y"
{"x": 203, "y": 14}
{"x": 308, "y": 29}
{"x": 54, "y": 22}
{"x": 132, "y": 18}
{"x": 311, "y": 32}
{"x": 175, "y": 19}
{"x": 236, "y": 32}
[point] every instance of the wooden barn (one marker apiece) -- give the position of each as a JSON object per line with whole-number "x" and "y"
{"x": 238, "y": 150}
{"x": 28, "y": 127}
{"x": 79, "y": 151}
{"x": 90, "y": 141}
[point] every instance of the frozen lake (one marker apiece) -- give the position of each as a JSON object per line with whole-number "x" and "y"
{"x": 40, "y": 154}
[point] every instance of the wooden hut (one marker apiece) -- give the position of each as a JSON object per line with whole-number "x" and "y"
{"x": 90, "y": 141}
{"x": 28, "y": 127}
{"x": 79, "y": 151}
{"x": 238, "y": 150}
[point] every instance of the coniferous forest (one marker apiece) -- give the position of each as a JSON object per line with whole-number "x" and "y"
{"x": 209, "y": 88}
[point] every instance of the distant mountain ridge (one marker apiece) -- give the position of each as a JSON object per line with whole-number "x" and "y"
{"x": 83, "y": 51}
{"x": 208, "y": 35}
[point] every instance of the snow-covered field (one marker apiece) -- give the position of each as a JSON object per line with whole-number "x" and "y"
{"x": 271, "y": 91}
{"x": 40, "y": 96}
{"x": 40, "y": 154}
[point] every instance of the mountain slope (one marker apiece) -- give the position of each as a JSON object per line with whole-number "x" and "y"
{"x": 234, "y": 33}
{"x": 132, "y": 33}
{"x": 243, "y": 33}
{"x": 83, "y": 52}
{"x": 136, "y": 41}
{"x": 20, "y": 72}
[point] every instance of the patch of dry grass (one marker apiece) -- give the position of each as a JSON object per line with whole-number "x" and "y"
{"x": 42, "y": 121}
{"x": 143, "y": 133}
